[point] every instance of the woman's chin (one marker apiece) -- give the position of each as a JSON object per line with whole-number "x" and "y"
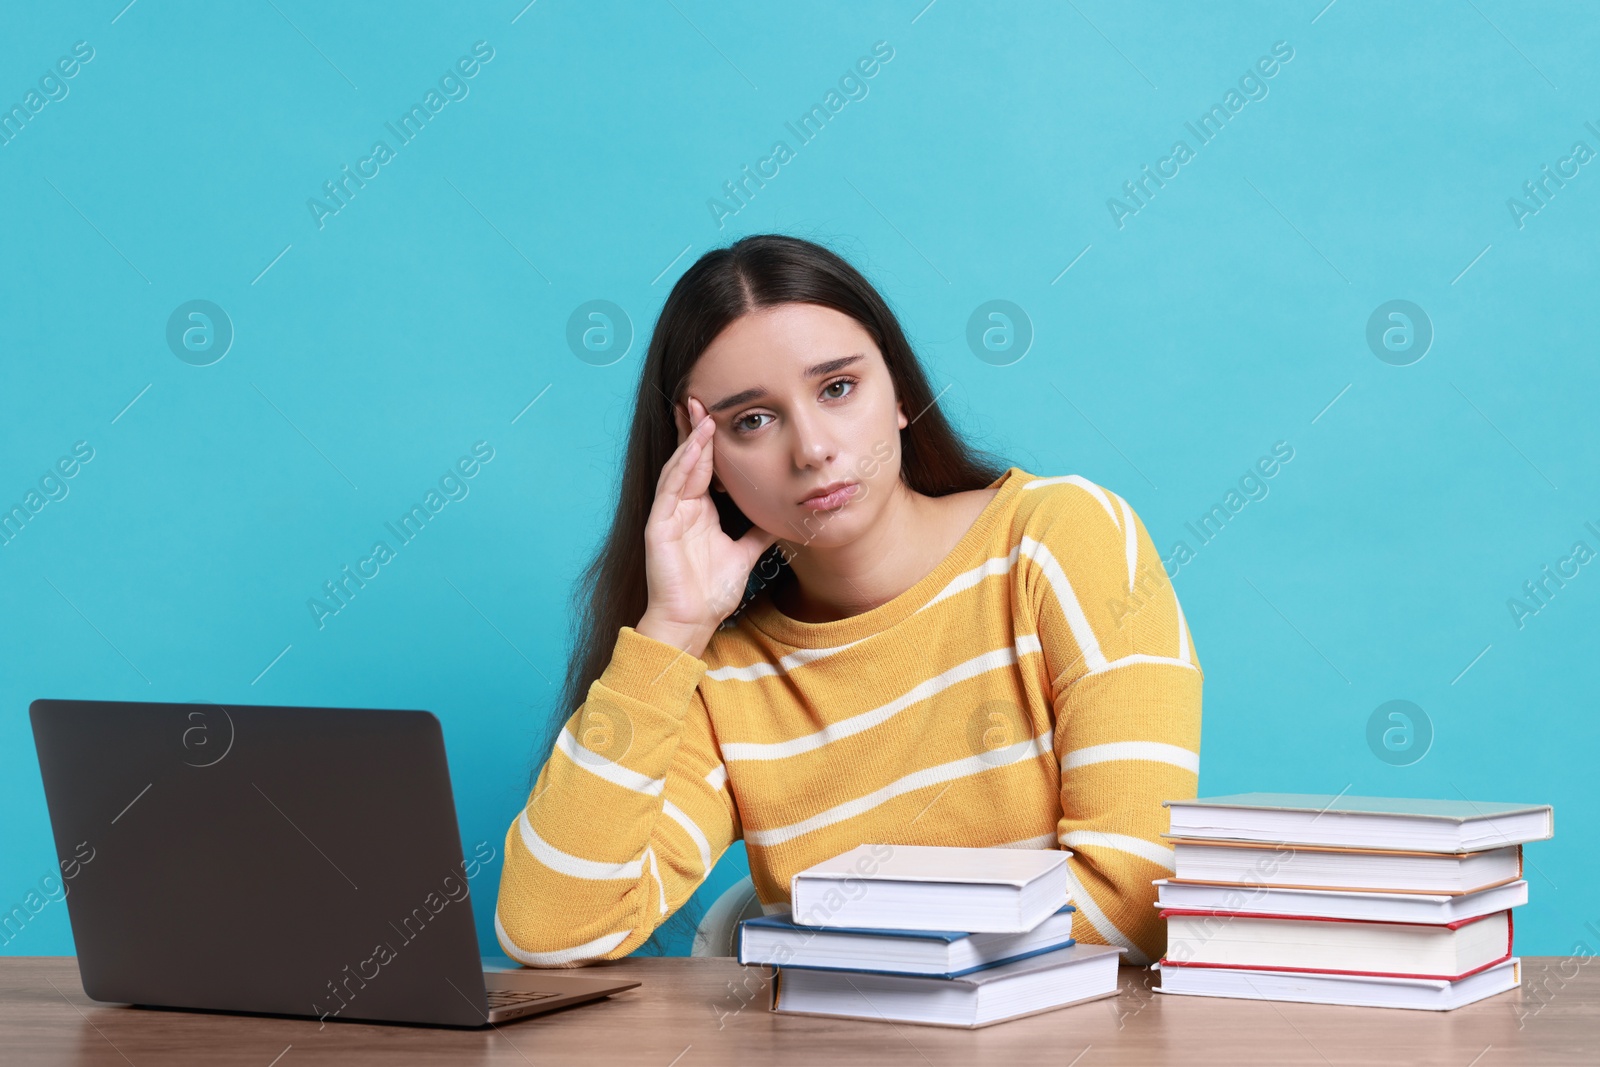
{"x": 839, "y": 532}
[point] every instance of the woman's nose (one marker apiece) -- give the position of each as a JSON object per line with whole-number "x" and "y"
{"x": 813, "y": 447}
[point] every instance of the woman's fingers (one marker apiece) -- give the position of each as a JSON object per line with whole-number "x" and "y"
{"x": 673, "y": 476}
{"x": 686, "y": 416}
{"x": 699, "y": 477}
{"x": 682, "y": 420}
{"x": 670, "y": 488}
{"x": 685, "y": 431}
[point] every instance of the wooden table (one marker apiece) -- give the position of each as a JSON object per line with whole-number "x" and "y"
{"x": 696, "y": 1011}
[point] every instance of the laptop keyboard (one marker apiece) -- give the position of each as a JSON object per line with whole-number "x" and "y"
{"x": 505, "y": 998}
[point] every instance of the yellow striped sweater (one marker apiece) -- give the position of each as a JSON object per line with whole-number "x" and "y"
{"x": 1038, "y": 689}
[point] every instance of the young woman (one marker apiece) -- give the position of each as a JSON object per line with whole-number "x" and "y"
{"x": 821, "y": 620}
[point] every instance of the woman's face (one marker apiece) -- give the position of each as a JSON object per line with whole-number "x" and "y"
{"x": 803, "y": 401}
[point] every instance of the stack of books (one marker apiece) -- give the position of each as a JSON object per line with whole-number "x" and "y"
{"x": 1371, "y": 901}
{"x": 943, "y": 936}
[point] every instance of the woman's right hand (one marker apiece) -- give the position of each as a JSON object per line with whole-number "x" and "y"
{"x": 694, "y": 572}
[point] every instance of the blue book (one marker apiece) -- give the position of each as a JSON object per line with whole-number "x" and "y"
{"x": 775, "y": 939}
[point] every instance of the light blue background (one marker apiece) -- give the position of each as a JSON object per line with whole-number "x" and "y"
{"x": 1224, "y": 317}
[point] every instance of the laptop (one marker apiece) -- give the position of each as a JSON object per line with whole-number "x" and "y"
{"x": 275, "y": 860}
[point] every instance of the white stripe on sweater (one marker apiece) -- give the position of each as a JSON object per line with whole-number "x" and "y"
{"x": 615, "y": 773}
{"x": 1067, "y": 601}
{"x": 1082, "y": 483}
{"x": 1042, "y": 841}
{"x": 655, "y": 872}
{"x": 1183, "y": 629}
{"x": 568, "y": 864}
{"x": 690, "y": 827}
{"x": 1137, "y": 657}
{"x": 1130, "y": 540}
{"x": 1133, "y": 846}
{"x": 783, "y": 666}
{"x": 943, "y": 772}
{"x": 966, "y": 580}
{"x": 972, "y": 668}
{"x": 1154, "y": 751}
{"x": 1090, "y": 910}
{"x": 598, "y": 947}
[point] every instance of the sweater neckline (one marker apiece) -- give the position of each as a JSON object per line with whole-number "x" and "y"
{"x": 766, "y": 617}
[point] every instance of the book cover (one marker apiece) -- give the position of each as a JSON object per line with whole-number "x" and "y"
{"x": 1408, "y": 807}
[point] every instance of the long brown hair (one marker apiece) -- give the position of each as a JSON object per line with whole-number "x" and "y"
{"x": 756, "y": 272}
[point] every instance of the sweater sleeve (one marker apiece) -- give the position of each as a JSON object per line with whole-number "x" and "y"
{"x": 628, "y": 815}
{"x": 1125, "y": 683}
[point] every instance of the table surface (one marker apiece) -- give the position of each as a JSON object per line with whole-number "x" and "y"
{"x": 693, "y": 1011}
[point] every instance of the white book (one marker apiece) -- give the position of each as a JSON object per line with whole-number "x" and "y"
{"x": 773, "y": 939}
{"x": 932, "y": 887}
{"x": 1361, "y": 822}
{"x": 1025, "y": 987}
{"x": 1402, "y": 950}
{"x": 1322, "y": 867}
{"x": 1424, "y": 994}
{"x": 1339, "y": 903}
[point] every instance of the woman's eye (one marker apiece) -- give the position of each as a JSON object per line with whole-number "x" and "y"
{"x": 834, "y": 390}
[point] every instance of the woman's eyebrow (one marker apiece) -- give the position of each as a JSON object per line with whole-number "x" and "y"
{"x": 814, "y": 371}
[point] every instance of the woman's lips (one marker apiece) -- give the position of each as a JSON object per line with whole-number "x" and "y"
{"x": 835, "y": 499}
